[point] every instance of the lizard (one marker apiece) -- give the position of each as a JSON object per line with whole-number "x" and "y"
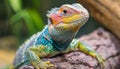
{"x": 56, "y": 37}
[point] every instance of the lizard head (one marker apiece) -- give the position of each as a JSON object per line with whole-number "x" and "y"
{"x": 67, "y": 19}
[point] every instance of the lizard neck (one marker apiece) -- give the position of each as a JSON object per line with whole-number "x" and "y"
{"x": 58, "y": 43}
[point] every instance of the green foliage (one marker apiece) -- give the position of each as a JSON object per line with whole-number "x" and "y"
{"x": 16, "y": 5}
{"x": 36, "y": 3}
{"x": 32, "y": 19}
{"x": 28, "y": 18}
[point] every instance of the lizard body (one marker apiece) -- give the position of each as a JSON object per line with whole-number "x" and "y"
{"x": 57, "y": 37}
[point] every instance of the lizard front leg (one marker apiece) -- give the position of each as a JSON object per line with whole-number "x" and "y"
{"x": 76, "y": 44}
{"x": 34, "y": 53}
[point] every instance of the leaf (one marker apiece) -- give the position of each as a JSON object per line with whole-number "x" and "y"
{"x": 32, "y": 19}
{"x": 38, "y": 23}
{"x": 16, "y": 5}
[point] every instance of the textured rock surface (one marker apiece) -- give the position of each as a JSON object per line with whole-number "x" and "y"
{"x": 103, "y": 42}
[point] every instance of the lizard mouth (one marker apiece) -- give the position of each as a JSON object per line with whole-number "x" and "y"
{"x": 71, "y": 24}
{"x": 77, "y": 19}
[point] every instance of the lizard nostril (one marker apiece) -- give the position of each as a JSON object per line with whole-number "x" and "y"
{"x": 81, "y": 12}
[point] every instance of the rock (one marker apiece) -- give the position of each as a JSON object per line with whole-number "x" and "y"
{"x": 26, "y": 67}
{"x": 103, "y": 42}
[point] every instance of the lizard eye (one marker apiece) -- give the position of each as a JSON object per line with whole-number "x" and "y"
{"x": 64, "y": 11}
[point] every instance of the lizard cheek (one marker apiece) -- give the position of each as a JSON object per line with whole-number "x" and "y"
{"x": 55, "y": 19}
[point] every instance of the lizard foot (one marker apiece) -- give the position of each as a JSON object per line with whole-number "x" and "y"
{"x": 44, "y": 65}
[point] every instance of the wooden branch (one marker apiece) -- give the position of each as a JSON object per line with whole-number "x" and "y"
{"x": 107, "y": 12}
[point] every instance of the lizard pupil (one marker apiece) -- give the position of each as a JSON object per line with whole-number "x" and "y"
{"x": 64, "y": 11}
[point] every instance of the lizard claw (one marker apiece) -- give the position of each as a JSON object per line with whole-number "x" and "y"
{"x": 100, "y": 60}
{"x": 44, "y": 65}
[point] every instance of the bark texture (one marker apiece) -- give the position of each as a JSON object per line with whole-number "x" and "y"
{"x": 102, "y": 41}
{"x": 107, "y": 12}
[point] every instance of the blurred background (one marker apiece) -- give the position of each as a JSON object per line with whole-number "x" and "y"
{"x": 20, "y": 19}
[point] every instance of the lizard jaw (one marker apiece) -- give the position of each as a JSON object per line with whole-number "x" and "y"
{"x": 71, "y": 25}
{"x": 75, "y": 19}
